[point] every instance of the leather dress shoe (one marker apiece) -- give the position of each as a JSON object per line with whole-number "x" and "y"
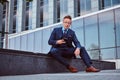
{"x": 92, "y": 69}
{"x": 72, "y": 69}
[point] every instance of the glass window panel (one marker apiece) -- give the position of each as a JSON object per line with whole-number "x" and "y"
{"x": 77, "y": 8}
{"x": 30, "y": 42}
{"x": 106, "y": 27}
{"x": 91, "y": 33}
{"x": 38, "y": 41}
{"x": 63, "y": 7}
{"x": 46, "y": 15}
{"x": 118, "y": 52}
{"x": 1, "y": 41}
{"x": 82, "y": 6}
{"x": 45, "y": 37}
{"x": 12, "y": 43}
{"x": 77, "y": 26}
{"x": 115, "y": 2}
{"x": 101, "y": 4}
{"x": 108, "y": 54}
{"x": 94, "y": 54}
{"x": 117, "y": 22}
{"x": 17, "y": 43}
{"x": 107, "y": 3}
{"x": 88, "y": 5}
{"x": 57, "y": 9}
{"x": 41, "y": 13}
{"x": 24, "y": 42}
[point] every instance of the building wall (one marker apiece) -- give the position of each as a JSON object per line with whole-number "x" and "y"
{"x": 92, "y": 29}
{"x": 24, "y": 15}
{"x": 98, "y": 32}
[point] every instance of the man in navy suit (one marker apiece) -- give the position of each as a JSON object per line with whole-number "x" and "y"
{"x": 61, "y": 40}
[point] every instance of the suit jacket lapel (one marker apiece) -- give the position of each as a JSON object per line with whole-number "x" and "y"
{"x": 60, "y": 32}
{"x": 68, "y": 31}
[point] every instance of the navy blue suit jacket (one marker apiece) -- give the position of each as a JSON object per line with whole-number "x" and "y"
{"x": 57, "y": 34}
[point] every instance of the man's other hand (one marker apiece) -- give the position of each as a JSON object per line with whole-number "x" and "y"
{"x": 61, "y": 41}
{"x": 77, "y": 52}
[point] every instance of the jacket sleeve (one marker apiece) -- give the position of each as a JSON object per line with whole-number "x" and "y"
{"x": 75, "y": 41}
{"x": 52, "y": 40}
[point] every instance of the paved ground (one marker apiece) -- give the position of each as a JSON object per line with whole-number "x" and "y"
{"x": 103, "y": 75}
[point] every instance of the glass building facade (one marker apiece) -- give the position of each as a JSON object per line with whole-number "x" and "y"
{"x": 27, "y": 15}
{"x": 96, "y": 23}
{"x": 99, "y": 32}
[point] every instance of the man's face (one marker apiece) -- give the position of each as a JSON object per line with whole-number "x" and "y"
{"x": 66, "y": 23}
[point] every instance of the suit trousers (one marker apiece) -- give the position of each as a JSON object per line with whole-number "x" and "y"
{"x": 61, "y": 53}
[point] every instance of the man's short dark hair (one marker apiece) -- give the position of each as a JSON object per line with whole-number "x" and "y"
{"x": 68, "y": 16}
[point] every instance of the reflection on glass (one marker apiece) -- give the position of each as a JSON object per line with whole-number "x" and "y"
{"x": 82, "y": 6}
{"x": 107, "y": 3}
{"x": 38, "y": 41}
{"x": 17, "y": 43}
{"x": 45, "y": 36}
{"x": 106, "y": 27}
{"x": 58, "y": 11}
{"x": 77, "y": 26}
{"x": 77, "y": 8}
{"x": 46, "y": 15}
{"x": 88, "y": 5}
{"x": 63, "y": 7}
{"x": 94, "y": 54}
{"x": 118, "y": 52}
{"x": 85, "y": 6}
{"x": 24, "y": 42}
{"x": 91, "y": 32}
{"x": 41, "y": 13}
{"x": 30, "y": 42}
{"x": 117, "y": 21}
{"x": 11, "y": 43}
{"x": 115, "y": 2}
{"x": 108, "y": 54}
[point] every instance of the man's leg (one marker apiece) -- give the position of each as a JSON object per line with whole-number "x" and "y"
{"x": 56, "y": 53}
{"x": 85, "y": 57}
{"x": 68, "y": 52}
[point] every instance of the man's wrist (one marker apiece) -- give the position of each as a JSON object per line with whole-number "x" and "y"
{"x": 78, "y": 47}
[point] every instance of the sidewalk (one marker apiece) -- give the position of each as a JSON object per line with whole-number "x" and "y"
{"x": 103, "y": 75}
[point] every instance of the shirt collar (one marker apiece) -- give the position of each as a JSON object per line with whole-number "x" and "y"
{"x": 63, "y": 29}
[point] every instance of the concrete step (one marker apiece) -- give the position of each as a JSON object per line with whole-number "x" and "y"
{"x": 13, "y": 62}
{"x": 103, "y": 75}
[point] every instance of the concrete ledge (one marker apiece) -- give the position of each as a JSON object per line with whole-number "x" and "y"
{"x": 13, "y": 62}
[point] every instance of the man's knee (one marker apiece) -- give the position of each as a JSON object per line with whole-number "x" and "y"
{"x": 82, "y": 51}
{"x": 53, "y": 50}
{"x": 82, "y": 48}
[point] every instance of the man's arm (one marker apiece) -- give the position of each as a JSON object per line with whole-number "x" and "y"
{"x": 52, "y": 40}
{"x": 76, "y": 42}
{"x": 77, "y": 45}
